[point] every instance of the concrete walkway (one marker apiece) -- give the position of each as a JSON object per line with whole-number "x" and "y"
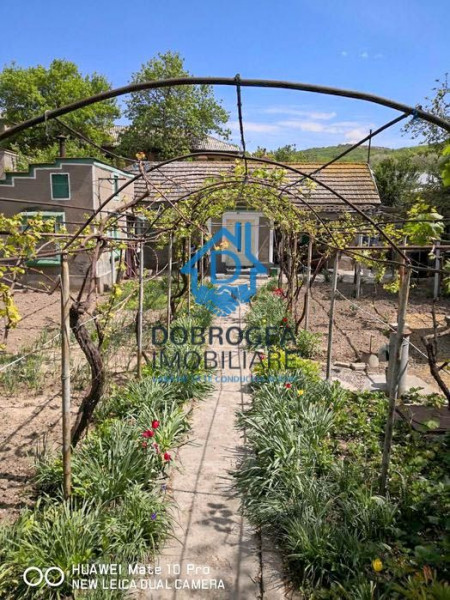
{"x": 214, "y": 547}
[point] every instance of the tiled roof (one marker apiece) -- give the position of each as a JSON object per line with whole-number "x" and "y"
{"x": 354, "y": 181}
{"x": 207, "y": 144}
{"x": 211, "y": 143}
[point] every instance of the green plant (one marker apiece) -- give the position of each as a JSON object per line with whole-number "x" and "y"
{"x": 268, "y": 310}
{"x": 310, "y": 481}
{"x": 155, "y": 293}
{"x": 107, "y": 462}
{"x": 280, "y": 361}
{"x": 307, "y": 343}
{"x": 128, "y": 402}
{"x": 138, "y": 526}
{"x": 60, "y": 535}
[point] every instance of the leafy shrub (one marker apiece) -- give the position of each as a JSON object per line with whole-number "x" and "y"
{"x": 269, "y": 310}
{"x": 112, "y": 457}
{"x": 200, "y": 315}
{"x": 155, "y": 293}
{"x": 307, "y": 343}
{"x": 128, "y": 402}
{"x": 279, "y": 361}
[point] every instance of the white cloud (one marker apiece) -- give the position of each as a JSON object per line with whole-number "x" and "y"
{"x": 364, "y": 55}
{"x": 255, "y": 127}
{"x": 344, "y": 53}
{"x": 304, "y": 125}
{"x": 356, "y": 134}
{"x": 299, "y": 112}
{"x": 379, "y": 55}
{"x": 321, "y": 127}
{"x": 348, "y": 129}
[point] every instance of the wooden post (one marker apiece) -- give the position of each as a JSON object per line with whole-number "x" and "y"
{"x": 113, "y": 268}
{"x": 395, "y": 374}
{"x": 358, "y": 271}
{"x": 202, "y": 260}
{"x": 189, "y": 275}
{"x": 65, "y": 374}
{"x": 140, "y": 314}
{"x": 169, "y": 281}
{"x": 331, "y": 321}
{"x": 308, "y": 282}
{"x": 437, "y": 275}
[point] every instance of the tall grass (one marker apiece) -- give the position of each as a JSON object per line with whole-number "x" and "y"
{"x": 310, "y": 482}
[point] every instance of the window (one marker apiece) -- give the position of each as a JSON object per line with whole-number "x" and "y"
{"x": 58, "y": 218}
{"x": 60, "y": 186}
{"x": 114, "y": 233}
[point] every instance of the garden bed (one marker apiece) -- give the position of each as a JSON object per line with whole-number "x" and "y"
{"x": 311, "y": 479}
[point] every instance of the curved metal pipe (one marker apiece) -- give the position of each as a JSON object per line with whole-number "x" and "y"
{"x": 228, "y": 81}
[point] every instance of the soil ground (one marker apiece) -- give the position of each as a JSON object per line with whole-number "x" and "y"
{"x": 357, "y": 321}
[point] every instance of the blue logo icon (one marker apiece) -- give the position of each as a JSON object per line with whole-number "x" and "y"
{"x": 221, "y": 297}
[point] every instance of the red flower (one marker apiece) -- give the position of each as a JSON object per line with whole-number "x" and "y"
{"x": 278, "y": 292}
{"x": 144, "y": 445}
{"x": 262, "y": 356}
{"x": 155, "y": 424}
{"x": 288, "y": 385}
{"x": 148, "y": 433}
{"x": 285, "y": 319}
{"x": 167, "y": 456}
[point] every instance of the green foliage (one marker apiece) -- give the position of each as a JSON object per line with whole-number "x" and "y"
{"x": 28, "y": 92}
{"x": 29, "y": 368}
{"x": 445, "y": 166}
{"x": 290, "y": 153}
{"x": 167, "y": 120}
{"x": 181, "y": 362}
{"x": 155, "y": 293}
{"x": 268, "y": 309}
{"x": 70, "y": 533}
{"x": 438, "y": 105}
{"x": 397, "y": 181}
{"x": 424, "y": 225}
{"x": 307, "y": 343}
{"x": 310, "y": 483}
{"x": 138, "y": 526}
{"x": 18, "y": 242}
{"x": 126, "y": 403}
{"x": 58, "y": 535}
{"x": 117, "y": 513}
{"x": 280, "y": 361}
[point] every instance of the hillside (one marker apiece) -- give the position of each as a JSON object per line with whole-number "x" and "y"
{"x": 360, "y": 154}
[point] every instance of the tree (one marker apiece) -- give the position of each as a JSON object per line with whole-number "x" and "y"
{"x": 27, "y": 92}
{"x": 397, "y": 181}
{"x": 438, "y": 105}
{"x": 166, "y": 121}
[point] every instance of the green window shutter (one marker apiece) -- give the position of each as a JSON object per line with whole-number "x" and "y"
{"x": 60, "y": 186}
{"x": 59, "y": 219}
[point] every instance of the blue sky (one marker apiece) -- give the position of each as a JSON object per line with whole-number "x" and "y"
{"x": 394, "y": 48}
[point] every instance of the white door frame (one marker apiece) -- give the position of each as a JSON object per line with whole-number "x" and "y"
{"x": 245, "y": 215}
